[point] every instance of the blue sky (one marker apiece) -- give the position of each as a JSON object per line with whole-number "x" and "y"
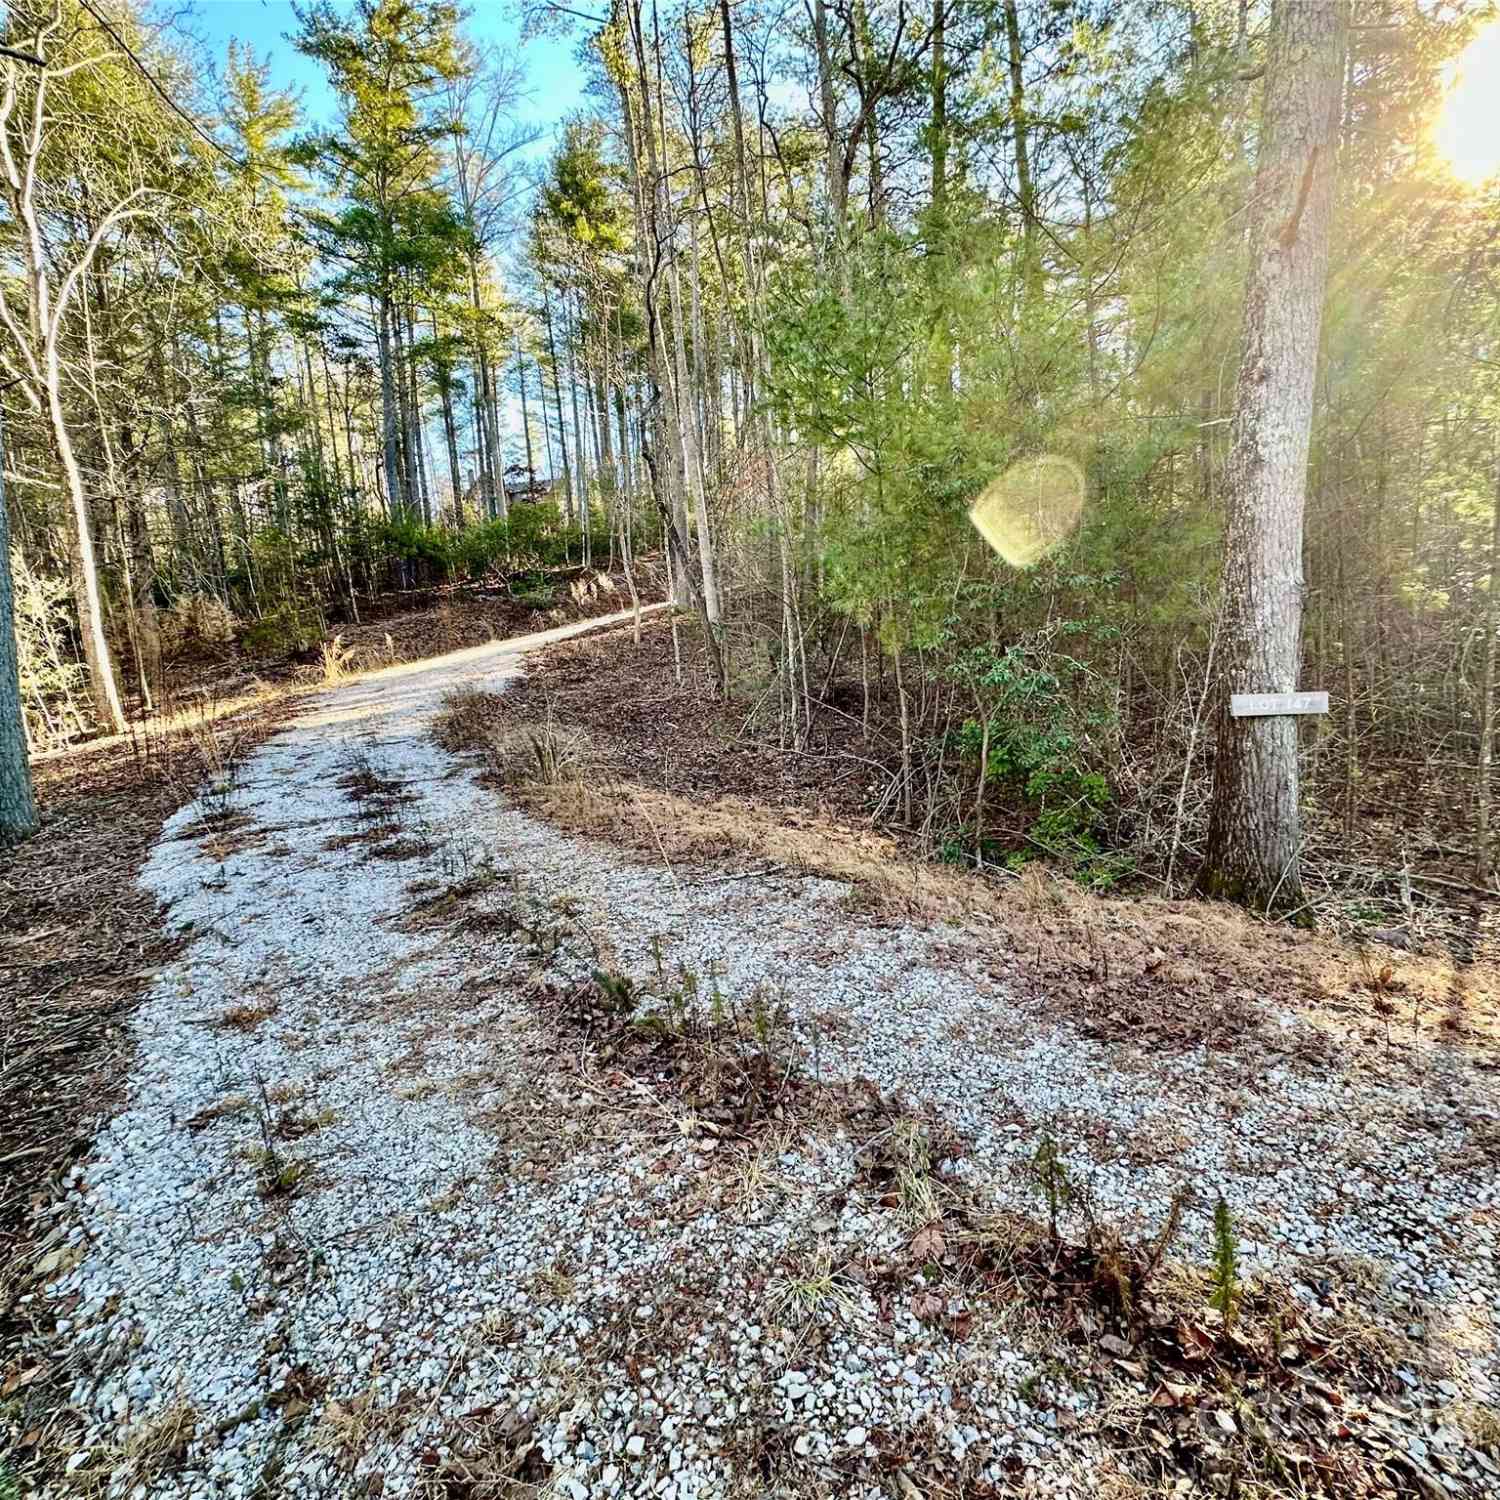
{"x": 554, "y": 83}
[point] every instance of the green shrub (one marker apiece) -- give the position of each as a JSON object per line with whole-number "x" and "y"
{"x": 287, "y": 629}
{"x": 1037, "y": 745}
{"x": 533, "y": 536}
{"x": 412, "y": 541}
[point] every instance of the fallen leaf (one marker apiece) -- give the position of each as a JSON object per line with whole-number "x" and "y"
{"x": 926, "y": 1306}
{"x": 1196, "y": 1342}
{"x": 928, "y": 1243}
{"x": 1170, "y": 1394}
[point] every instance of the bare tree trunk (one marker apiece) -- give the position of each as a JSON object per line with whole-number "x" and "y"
{"x": 837, "y": 184}
{"x": 562, "y": 429}
{"x": 525, "y": 421}
{"x": 1021, "y": 136}
{"x": 416, "y": 442}
{"x": 450, "y": 436}
{"x": 494, "y": 470}
{"x": 143, "y": 598}
{"x": 691, "y": 458}
{"x": 389, "y": 417}
{"x": 646, "y": 180}
{"x": 580, "y": 453}
{"x": 1254, "y": 836}
{"x": 1484, "y": 863}
{"x": 17, "y": 800}
{"x": 333, "y": 426}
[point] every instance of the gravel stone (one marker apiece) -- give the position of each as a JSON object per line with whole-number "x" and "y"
{"x": 483, "y": 1224}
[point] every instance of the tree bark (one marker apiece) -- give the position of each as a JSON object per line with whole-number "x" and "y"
{"x": 562, "y": 426}
{"x": 450, "y": 434}
{"x": 580, "y": 454}
{"x": 1254, "y": 836}
{"x": 389, "y": 415}
{"x": 1484, "y": 863}
{"x": 17, "y": 800}
{"x": 83, "y": 567}
{"x": 1031, "y": 278}
{"x": 525, "y": 423}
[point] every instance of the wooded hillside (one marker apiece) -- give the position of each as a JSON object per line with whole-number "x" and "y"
{"x": 800, "y": 286}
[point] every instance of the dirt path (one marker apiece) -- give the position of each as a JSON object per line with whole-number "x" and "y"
{"x": 377, "y": 1221}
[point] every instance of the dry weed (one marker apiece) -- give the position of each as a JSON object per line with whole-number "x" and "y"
{"x": 518, "y": 753}
{"x": 152, "y": 1451}
{"x": 247, "y": 1017}
{"x": 1171, "y": 972}
{"x": 220, "y": 1109}
{"x": 810, "y": 1292}
{"x": 1482, "y": 1423}
{"x": 467, "y": 718}
{"x": 349, "y": 1428}
{"x": 338, "y": 661}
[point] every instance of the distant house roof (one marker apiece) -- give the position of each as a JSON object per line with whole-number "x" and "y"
{"x": 521, "y": 487}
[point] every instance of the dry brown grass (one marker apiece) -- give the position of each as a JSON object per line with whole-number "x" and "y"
{"x": 1165, "y": 971}
{"x": 247, "y": 1017}
{"x": 349, "y": 1427}
{"x": 153, "y": 1451}
{"x": 220, "y": 1109}
{"x": 1482, "y": 1423}
{"x": 339, "y": 661}
{"x": 538, "y": 752}
{"x": 466, "y": 719}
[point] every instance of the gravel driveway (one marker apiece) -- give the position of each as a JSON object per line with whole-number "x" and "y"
{"x": 371, "y": 1224}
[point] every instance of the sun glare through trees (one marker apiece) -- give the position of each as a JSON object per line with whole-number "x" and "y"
{"x": 748, "y": 750}
{"x": 1467, "y": 131}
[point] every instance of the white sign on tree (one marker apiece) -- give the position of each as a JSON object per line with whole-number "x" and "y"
{"x": 1260, "y": 705}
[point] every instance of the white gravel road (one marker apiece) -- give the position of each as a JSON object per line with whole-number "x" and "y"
{"x": 491, "y": 1259}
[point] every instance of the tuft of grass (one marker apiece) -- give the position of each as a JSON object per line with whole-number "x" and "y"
{"x": 337, "y": 659}
{"x": 554, "y": 1283}
{"x": 916, "y": 1185}
{"x": 544, "y": 755}
{"x": 488, "y": 1453}
{"x": 220, "y": 1109}
{"x": 277, "y": 1176}
{"x": 293, "y": 1124}
{"x": 247, "y": 1017}
{"x": 541, "y": 754}
{"x": 1482, "y": 1423}
{"x": 811, "y": 1293}
{"x": 467, "y": 718}
{"x": 154, "y": 1450}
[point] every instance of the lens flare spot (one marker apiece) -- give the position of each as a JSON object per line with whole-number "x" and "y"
{"x": 1030, "y": 509}
{"x": 1467, "y": 129}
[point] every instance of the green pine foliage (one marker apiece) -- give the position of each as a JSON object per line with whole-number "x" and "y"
{"x": 1225, "y": 1272}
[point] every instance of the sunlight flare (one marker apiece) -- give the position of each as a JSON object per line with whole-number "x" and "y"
{"x": 1030, "y": 509}
{"x": 1467, "y": 130}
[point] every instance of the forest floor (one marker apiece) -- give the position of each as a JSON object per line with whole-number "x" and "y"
{"x": 213, "y": 675}
{"x": 528, "y": 1122}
